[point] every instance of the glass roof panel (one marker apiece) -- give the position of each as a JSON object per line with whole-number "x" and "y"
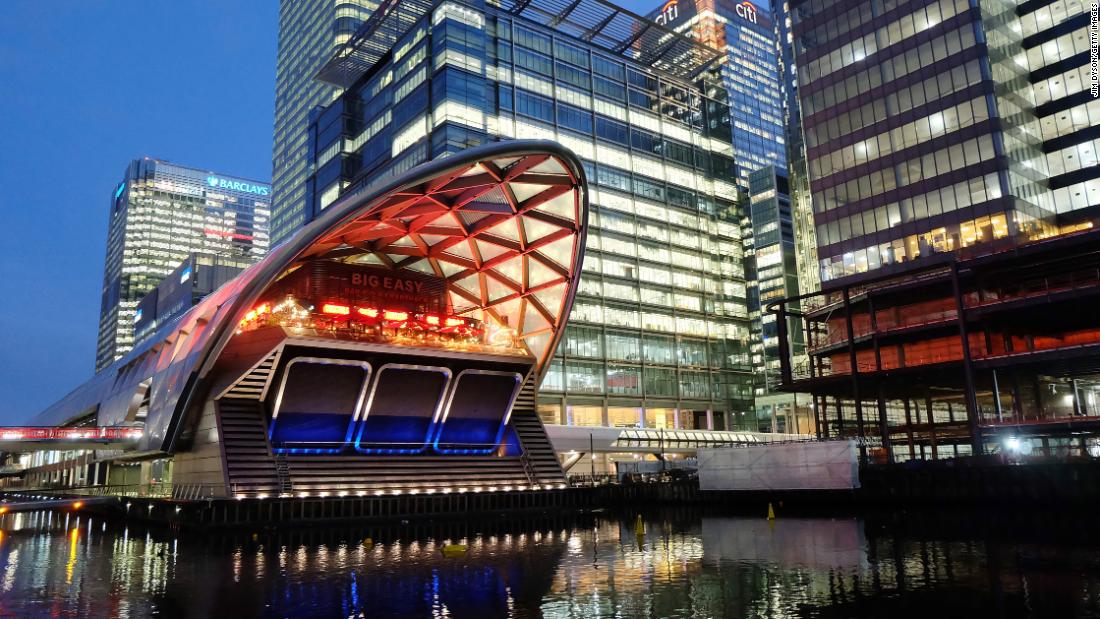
{"x": 489, "y": 250}
{"x": 550, "y": 166}
{"x": 449, "y": 268}
{"x": 533, "y": 320}
{"x": 511, "y": 268}
{"x": 497, "y": 289}
{"x": 460, "y": 249}
{"x": 538, "y": 344}
{"x": 523, "y": 191}
{"x": 551, "y": 298}
{"x": 537, "y": 229}
{"x": 421, "y": 266}
{"x": 559, "y": 251}
{"x": 563, "y": 206}
{"x": 470, "y": 284}
{"x": 538, "y": 273}
{"x": 507, "y": 229}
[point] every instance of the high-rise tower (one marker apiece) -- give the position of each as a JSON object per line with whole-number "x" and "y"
{"x": 309, "y": 31}
{"x": 161, "y": 213}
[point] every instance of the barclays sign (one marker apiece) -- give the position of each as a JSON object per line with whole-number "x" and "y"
{"x": 231, "y": 185}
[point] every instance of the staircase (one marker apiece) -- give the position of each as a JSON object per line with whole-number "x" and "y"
{"x": 541, "y": 462}
{"x": 253, "y": 469}
{"x": 282, "y": 472}
{"x": 254, "y": 383}
{"x": 250, "y": 467}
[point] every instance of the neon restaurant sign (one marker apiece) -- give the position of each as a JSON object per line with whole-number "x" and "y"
{"x": 225, "y": 183}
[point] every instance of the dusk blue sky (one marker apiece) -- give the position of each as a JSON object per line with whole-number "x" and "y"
{"x": 85, "y": 87}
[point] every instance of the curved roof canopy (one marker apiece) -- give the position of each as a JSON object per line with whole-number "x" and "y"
{"x": 504, "y": 225}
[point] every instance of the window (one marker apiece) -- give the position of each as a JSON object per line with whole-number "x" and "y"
{"x": 534, "y": 106}
{"x": 575, "y": 118}
{"x": 624, "y": 380}
{"x": 570, "y": 53}
{"x": 584, "y": 377}
{"x": 659, "y": 349}
{"x": 572, "y": 75}
{"x": 612, "y": 131}
{"x": 660, "y": 382}
{"x": 623, "y": 346}
{"x": 583, "y": 342}
{"x": 607, "y": 67}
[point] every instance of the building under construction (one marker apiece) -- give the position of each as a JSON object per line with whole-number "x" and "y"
{"x": 970, "y": 354}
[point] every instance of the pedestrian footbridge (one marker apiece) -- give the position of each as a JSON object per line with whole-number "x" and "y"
{"x": 39, "y": 438}
{"x": 576, "y": 441}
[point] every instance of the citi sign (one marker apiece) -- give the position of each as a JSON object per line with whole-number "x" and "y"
{"x": 669, "y": 12}
{"x": 746, "y": 10}
{"x": 224, "y": 183}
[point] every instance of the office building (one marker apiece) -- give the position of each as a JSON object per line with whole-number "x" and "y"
{"x": 750, "y": 71}
{"x": 197, "y": 276}
{"x": 775, "y": 277}
{"x": 309, "y": 32}
{"x": 160, "y": 213}
{"x": 952, "y": 160}
{"x": 919, "y": 130}
{"x": 805, "y": 237}
{"x": 1062, "y": 73}
{"x": 756, "y": 67}
{"x": 659, "y": 331}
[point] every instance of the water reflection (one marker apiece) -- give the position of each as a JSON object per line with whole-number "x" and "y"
{"x": 677, "y": 564}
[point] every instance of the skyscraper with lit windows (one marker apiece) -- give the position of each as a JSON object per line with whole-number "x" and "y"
{"x": 658, "y": 337}
{"x": 160, "y": 213}
{"x": 750, "y": 72}
{"x": 956, "y": 193}
{"x": 309, "y": 31}
{"x": 921, "y": 129}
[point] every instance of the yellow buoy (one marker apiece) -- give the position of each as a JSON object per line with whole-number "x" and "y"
{"x": 639, "y": 526}
{"x": 368, "y": 542}
{"x": 771, "y": 512}
{"x": 453, "y": 550}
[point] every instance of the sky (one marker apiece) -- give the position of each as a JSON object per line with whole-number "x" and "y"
{"x": 85, "y": 87}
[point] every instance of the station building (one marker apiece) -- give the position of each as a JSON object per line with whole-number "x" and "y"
{"x": 394, "y": 345}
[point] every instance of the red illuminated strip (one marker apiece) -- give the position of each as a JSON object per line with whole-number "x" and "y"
{"x": 228, "y": 235}
{"x": 68, "y": 434}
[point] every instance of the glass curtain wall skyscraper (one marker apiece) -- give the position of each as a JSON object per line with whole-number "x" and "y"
{"x": 162, "y": 212}
{"x": 922, "y": 126}
{"x": 1055, "y": 39}
{"x": 659, "y": 332}
{"x": 805, "y": 238}
{"x": 753, "y": 66}
{"x": 750, "y": 70}
{"x": 309, "y": 32}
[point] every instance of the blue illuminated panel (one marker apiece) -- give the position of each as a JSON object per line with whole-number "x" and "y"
{"x": 308, "y": 419}
{"x": 403, "y": 408}
{"x": 477, "y": 412}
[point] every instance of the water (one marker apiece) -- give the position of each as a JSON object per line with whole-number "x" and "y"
{"x": 686, "y": 564}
